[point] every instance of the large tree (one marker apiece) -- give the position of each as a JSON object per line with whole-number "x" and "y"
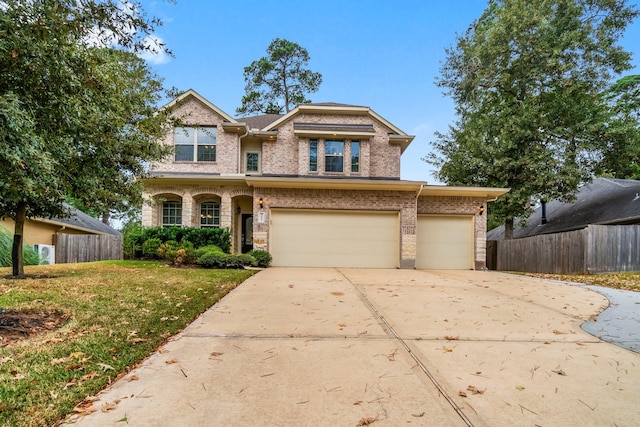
{"x": 620, "y": 153}
{"x": 279, "y": 81}
{"x": 528, "y": 80}
{"x": 77, "y": 107}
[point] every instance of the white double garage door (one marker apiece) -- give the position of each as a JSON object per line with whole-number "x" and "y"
{"x": 367, "y": 239}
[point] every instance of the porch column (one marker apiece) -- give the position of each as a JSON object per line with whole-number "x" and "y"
{"x": 226, "y": 211}
{"x": 187, "y": 210}
{"x": 149, "y": 211}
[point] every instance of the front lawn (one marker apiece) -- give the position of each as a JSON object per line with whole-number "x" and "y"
{"x": 118, "y": 312}
{"x": 627, "y": 281}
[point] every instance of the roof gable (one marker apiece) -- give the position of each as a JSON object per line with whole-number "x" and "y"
{"x": 192, "y": 93}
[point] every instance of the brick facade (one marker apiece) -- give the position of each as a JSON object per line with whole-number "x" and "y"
{"x": 287, "y": 155}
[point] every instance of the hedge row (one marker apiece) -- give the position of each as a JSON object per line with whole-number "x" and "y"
{"x": 135, "y": 240}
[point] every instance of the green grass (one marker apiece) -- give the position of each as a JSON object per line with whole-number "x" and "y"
{"x": 121, "y": 311}
{"x": 626, "y": 281}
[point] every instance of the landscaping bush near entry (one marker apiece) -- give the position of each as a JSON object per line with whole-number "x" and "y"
{"x": 144, "y": 241}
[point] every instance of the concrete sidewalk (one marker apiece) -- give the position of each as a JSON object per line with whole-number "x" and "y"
{"x": 327, "y": 347}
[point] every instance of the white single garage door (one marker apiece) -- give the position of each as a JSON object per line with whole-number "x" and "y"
{"x": 314, "y": 238}
{"x": 444, "y": 242}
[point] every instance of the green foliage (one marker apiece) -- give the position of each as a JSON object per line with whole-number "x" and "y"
{"x": 77, "y": 118}
{"x": 131, "y": 239}
{"x": 620, "y": 151}
{"x": 221, "y": 260}
{"x": 150, "y": 248}
{"x": 135, "y": 240}
{"x": 278, "y": 82}
{"x": 177, "y": 253}
{"x": 528, "y": 80}
{"x": 6, "y": 244}
{"x": 262, "y": 257}
{"x": 206, "y": 249}
{"x": 120, "y": 313}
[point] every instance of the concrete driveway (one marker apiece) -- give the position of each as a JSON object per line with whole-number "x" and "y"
{"x": 349, "y": 347}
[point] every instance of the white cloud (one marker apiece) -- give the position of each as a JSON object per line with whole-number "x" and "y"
{"x": 156, "y": 54}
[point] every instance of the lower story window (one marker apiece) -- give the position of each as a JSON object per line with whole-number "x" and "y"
{"x": 209, "y": 214}
{"x": 171, "y": 214}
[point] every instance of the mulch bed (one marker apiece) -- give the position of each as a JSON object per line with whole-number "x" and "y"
{"x": 17, "y": 325}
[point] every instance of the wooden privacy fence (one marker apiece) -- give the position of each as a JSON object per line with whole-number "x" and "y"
{"x": 595, "y": 249}
{"x": 72, "y": 248}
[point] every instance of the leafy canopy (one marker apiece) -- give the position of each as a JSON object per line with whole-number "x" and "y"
{"x": 77, "y": 107}
{"x": 620, "y": 155}
{"x": 528, "y": 79}
{"x": 279, "y": 81}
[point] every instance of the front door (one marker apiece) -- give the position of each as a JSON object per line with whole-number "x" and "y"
{"x": 247, "y": 232}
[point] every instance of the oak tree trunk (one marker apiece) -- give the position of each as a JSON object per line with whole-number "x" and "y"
{"x": 17, "y": 259}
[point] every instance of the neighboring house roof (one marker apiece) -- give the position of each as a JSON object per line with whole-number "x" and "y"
{"x": 603, "y": 201}
{"x": 81, "y": 221}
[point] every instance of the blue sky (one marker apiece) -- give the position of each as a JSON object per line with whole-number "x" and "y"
{"x": 382, "y": 54}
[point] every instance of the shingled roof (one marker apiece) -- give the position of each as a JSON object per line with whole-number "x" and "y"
{"x": 603, "y": 201}
{"x": 80, "y": 220}
{"x": 261, "y": 121}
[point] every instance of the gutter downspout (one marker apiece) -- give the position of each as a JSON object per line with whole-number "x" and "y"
{"x": 240, "y": 150}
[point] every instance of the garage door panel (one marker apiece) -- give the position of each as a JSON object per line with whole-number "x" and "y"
{"x": 334, "y": 238}
{"x": 445, "y": 242}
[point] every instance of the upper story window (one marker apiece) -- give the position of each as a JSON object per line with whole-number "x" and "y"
{"x": 197, "y": 143}
{"x": 252, "y": 162}
{"x": 334, "y": 156}
{"x": 313, "y": 155}
{"x": 209, "y": 214}
{"x": 355, "y": 156}
{"x": 171, "y": 214}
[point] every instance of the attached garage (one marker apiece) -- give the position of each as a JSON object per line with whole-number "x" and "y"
{"x": 322, "y": 238}
{"x": 445, "y": 242}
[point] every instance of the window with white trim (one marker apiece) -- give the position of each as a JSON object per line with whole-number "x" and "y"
{"x": 197, "y": 143}
{"x": 171, "y": 214}
{"x": 334, "y": 156}
{"x": 209, "y": 214}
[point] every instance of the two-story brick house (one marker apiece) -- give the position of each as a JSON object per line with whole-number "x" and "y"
{"x": 318, "y": 186}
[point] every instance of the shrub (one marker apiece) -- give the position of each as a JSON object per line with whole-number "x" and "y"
{"x": 222, "y": 260}
{"x": 150, "y": 248}
{"x": 134, "y": 240}
{"x": 263, "y": 258}
{"x": 205, "y": 249}
{"x": 30, "y": 256}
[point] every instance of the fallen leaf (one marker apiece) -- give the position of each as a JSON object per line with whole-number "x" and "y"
{"x": 418, "y": 415}
{"x": 475, "y": 390}
{"x": 133, "y": 378}
{"x": 359, "y": 402}
{"x": 171, "y": 361}
{"x": 519, "y": 387}
{"x": 138, "y": 340}
{"x": 107, "y": 406}
{"x": 3, "y": 407}
{"x": 462, "y": 393}
{"x": 216, "y": 353}
{"x": 59, "y": 361}
{"x": 5, "y": 360}
{"x": 106, "y": 367}
{"x": 559, "y": 372}
{"x": 446, "y": 349}
{"x": 90, "y": 376}
{"x": 367, "y": 421}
